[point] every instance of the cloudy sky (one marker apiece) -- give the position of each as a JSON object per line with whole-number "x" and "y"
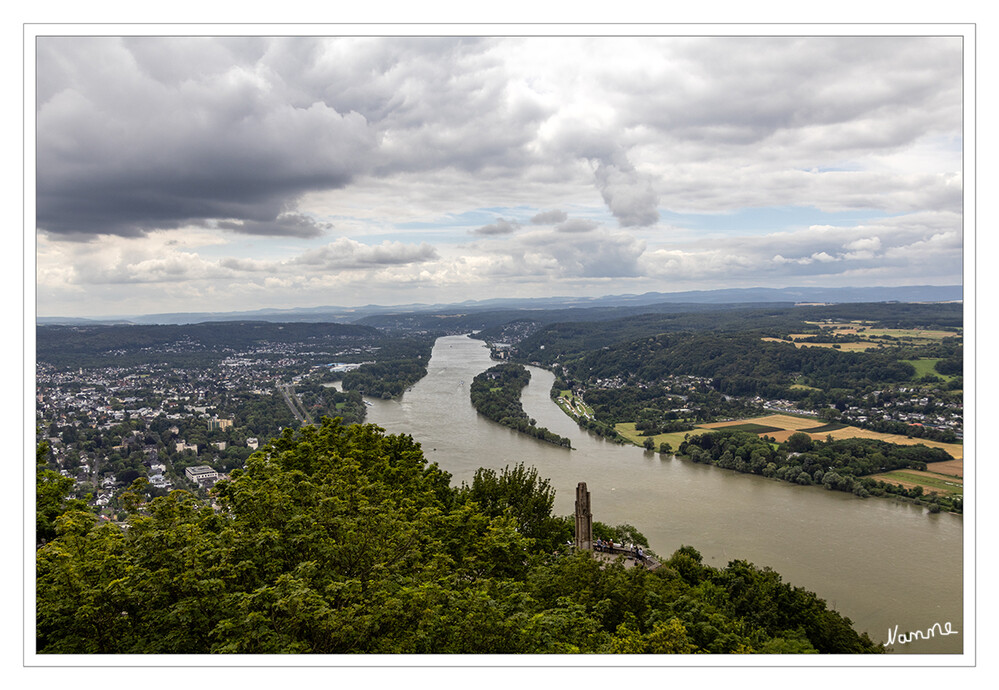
{"x": 225, "y": 174}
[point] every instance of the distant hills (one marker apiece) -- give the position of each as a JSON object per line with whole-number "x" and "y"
{"x": 790, "y": 295}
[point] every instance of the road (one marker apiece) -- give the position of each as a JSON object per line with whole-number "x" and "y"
{"x": 294, "y": 403}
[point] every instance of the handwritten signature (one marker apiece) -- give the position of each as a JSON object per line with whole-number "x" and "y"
{"x": 932, "y": 631}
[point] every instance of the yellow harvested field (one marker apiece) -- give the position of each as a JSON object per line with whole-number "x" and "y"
{"x": 956, "y": 450}
{"x": 781, "y": 421}
{"x": 849, "y": 347}
{"x": 952, "y": 468}
{"x": 846, "y": 347}
{"x": 790, "y": 424}
{"x": 911, "y": 333}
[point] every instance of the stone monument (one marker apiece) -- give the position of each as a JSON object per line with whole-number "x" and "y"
{"x": 584, "y": 518}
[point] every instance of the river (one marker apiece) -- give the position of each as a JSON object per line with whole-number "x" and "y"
{"x": 880, "y": 562}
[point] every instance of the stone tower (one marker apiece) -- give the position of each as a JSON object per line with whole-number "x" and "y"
{"x": 584, "y": 518}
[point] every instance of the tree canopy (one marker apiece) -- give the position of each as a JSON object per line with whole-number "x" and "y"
{"x": 342, "y": 539}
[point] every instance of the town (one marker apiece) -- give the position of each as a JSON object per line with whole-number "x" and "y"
{"x": 185, "y": 414}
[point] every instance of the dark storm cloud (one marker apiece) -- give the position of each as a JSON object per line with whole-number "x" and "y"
{"x": 155, "y": 133}
{"x": 290, "y": 224}
{"x": 129, "y": 141}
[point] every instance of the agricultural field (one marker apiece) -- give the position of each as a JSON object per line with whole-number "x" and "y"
{"x": 956, "y": 450}
{"x": 847, "y": 347}
{"x": 945, "y": 477}
{"x": 776, "y": 421}
{"x": 915, "y": 334}
{"x": 873, "y": 336}
{"x": 851, "y": 327}
{"x": 790, "y": 424}
{"x": 932, "y": 482}
{"x": 941, "y": 477}
{"x": 628, "y": 431}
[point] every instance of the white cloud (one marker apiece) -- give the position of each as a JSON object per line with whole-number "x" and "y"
{"x": 221, "y": 144}
{"x": 346, "y": 253}
{"x": 500, "y": 227}
{"x": 577, "y": 225}
{"x": 549, "y": 217}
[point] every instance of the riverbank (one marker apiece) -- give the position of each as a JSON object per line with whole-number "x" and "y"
{"x": 881, "y": 563}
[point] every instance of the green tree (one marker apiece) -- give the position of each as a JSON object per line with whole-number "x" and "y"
{"x": 521, "y": 493}
{"x": 798, "y": 442}
{"x": 341, "y": 539}
{"x": 51, "y": 497}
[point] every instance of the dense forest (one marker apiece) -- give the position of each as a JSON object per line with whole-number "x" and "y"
{"x": 495, "y": 394}
{"x": 323, "y": 401}
{"x": 341, "y": 539}
{"x": 740, "y": 364}
{"x": 568, "y": 340}
{"x": 389, "y": 378}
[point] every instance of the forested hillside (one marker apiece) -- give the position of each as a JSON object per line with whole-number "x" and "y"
{"x": 340, "y": 539}
{"x": 569, "y": 340}
{"x": 740, "y": 364}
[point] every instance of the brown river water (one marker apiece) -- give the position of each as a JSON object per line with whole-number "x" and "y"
{"x": 879, "y": 562}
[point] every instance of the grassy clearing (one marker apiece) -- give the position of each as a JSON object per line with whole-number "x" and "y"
{"x": 628, "y": 431}
{"x": 924, "y": 366}
{"x": 753, "y": 428}
{"x": 803, "y": 387}
{"x": 931, "y": 483}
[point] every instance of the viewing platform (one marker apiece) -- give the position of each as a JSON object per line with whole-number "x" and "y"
{"x": 608, "y": 551}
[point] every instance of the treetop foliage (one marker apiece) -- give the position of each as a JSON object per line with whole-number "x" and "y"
{"x": 342, "y": 539}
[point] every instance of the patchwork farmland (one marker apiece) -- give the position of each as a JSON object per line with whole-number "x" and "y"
{"x": 941, "y": 477}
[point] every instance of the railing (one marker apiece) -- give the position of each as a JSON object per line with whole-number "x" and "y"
{"x": 626, "y": 551}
